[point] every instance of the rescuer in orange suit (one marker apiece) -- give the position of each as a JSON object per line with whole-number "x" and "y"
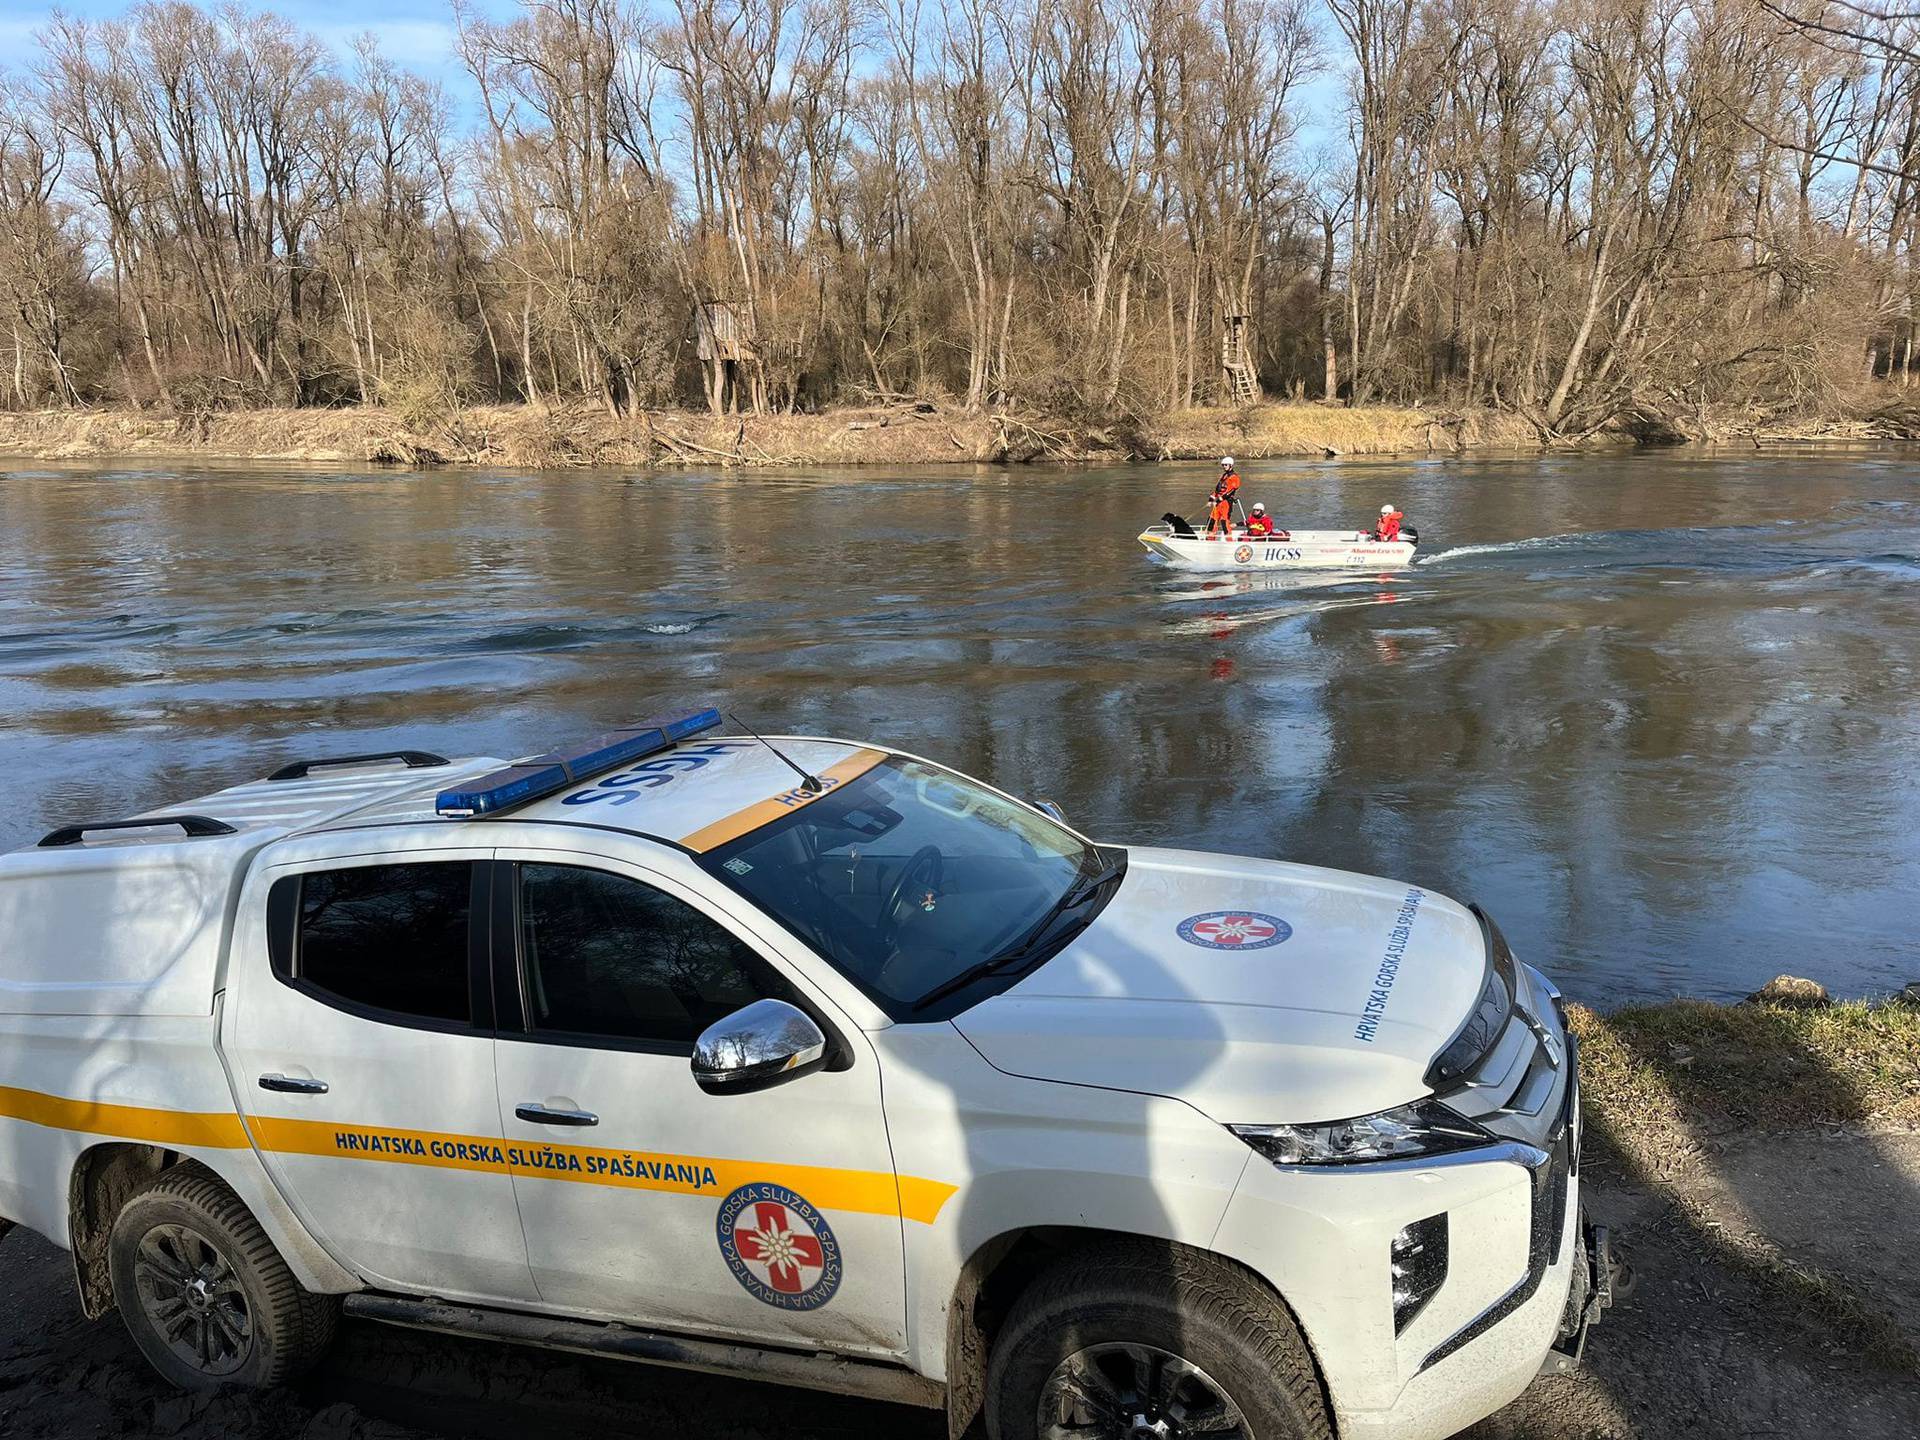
{"x": 1259, "y": 526}
{"x": 1220, "y": 502}
{"x": 1389, "y": 528}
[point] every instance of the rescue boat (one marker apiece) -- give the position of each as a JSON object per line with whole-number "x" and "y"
{"x": 1282, "y": 550}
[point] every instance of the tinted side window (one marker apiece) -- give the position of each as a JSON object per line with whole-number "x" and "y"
{"x": 610, "y": 956}
{"x": 390, "y": 936}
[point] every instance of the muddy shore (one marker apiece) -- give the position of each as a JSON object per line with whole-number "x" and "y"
{"x": 895, "y": 434}
{"x": 1759, "y": 1219}
{"x": 892, "y": 435}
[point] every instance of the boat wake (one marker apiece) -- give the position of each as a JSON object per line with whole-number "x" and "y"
{"x": 1505, "y": 547}
{"x": 1787, "y": 549}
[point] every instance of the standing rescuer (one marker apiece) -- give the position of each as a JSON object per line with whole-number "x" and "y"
{"x": 1389, "y": 527}
{"x": 1220, "y": 503}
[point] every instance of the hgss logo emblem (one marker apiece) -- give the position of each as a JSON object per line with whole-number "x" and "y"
{"x": 1234, "y": 930}
{"x": 779, "y": 1247}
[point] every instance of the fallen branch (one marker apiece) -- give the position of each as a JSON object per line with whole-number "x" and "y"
{"x": 404, "y": 450}
{"x": 1054, "y": 444}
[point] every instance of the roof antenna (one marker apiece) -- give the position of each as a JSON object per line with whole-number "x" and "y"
{"x": 809, "y": 783}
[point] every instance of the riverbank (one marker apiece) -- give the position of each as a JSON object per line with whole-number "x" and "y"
{"x": 520, "y": 435}
{"x": 1759, "y": 1164}
{"x": 895, "y": 435}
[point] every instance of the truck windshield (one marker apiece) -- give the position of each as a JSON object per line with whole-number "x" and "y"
{"x": 908, "y": 876}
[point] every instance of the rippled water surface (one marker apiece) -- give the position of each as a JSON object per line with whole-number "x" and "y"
{"x": 1656, "y": 712}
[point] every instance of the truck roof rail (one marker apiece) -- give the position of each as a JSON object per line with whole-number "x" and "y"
{"x": 196, "y": 826}
{"x": 412, "y": 759}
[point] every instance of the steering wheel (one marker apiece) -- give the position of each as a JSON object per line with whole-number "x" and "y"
{"x": 928, "y": 859}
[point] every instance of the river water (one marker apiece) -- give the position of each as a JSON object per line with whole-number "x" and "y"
{"x": 1655, "y": 711}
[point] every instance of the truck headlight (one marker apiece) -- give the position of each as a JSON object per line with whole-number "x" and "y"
{"x": 1425, "y": 1127}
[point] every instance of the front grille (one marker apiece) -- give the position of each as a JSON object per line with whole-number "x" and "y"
{"x": 1520, "y": 1085}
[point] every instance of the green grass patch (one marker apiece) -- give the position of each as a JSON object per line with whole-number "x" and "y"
{"x": 1767, "y": 1067}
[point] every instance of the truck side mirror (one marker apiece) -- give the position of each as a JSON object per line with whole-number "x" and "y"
{"x": 766, "y": 1043}
{"x": 1047, "y": 807}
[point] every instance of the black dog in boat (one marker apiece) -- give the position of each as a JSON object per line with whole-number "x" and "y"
{"x": 1179, "y": 526}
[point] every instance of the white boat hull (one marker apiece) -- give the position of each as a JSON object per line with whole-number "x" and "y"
{"x": 1301, "y": 550}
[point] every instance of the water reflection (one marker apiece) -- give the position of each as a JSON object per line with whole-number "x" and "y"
{"x": 1655, "y": 712}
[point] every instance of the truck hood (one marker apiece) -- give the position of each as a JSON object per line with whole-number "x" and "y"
{"x": 1258, "y": 992}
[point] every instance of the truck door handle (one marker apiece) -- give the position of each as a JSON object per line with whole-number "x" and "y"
{"x": 290, "y": 1086}
{"x": 541, "y": 1115}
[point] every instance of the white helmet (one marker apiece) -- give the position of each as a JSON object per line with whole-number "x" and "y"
{"x": 1386, "y": 509}
{"x": 1258, "y": 508}
{"x": 1226, "y": 462}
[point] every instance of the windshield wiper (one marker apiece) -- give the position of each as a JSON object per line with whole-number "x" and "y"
{"x": 1043, "y": 938}
{"x": 1084, "y": 890}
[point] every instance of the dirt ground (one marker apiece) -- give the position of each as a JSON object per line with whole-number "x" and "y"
{"x": 1698, "y": 1349}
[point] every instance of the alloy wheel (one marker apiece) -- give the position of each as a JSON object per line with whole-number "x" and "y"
{"x": 193, "y": 1300}
{"x": 1124, "y": 1391}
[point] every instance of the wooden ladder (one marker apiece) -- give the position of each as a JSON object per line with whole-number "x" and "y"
{"x": 1243, "y": 384}
{"x": 1246, "y": 389}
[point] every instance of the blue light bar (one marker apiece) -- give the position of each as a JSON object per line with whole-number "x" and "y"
{"x": 539, "y": 777}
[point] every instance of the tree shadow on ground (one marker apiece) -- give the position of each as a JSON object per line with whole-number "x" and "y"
{"x": 62, "y": 1375}
{"x": 1752, "y": 1161}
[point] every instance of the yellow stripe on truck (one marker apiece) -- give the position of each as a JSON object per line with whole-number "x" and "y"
{"x": 174, "y": 1128}
{"x": 870, "y": 1192}
{"x": 745, "y": 822}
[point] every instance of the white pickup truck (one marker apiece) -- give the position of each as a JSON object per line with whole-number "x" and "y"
{"x": 802, "y": 1060}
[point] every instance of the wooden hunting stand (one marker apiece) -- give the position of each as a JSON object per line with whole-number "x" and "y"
{"x": 742, "y": 370}
{"x": 1239, "y": 379}
{"x": 720, "y": 331}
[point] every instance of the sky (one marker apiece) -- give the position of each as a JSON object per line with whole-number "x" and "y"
{"x": 418, "y": 35}
{"x": 415, "y": 34}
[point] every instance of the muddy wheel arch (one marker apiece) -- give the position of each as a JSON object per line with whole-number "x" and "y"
{"x": 106, "y": 1176}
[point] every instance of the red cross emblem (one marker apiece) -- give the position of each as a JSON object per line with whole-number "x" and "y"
{"x": 779, "y": 1247}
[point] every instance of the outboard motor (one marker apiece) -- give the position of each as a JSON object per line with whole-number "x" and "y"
{"x": 1178, "y": 525}
{"x": 1409, "y": 534}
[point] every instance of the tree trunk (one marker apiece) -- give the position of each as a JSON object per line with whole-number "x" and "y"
{"x": 1330, "y": 355}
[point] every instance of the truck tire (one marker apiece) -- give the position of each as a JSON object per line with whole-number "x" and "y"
{"x": 1146, "y": 1340}
{"x": 203, "y": 1292}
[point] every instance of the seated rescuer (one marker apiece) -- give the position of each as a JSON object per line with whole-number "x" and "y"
{"x": 1259, "y": 526}
{"x": 1220, "y": 503}
{"x": 1389, "y": 528}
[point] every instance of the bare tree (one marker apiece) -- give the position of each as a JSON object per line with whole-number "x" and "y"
{"x": 1591, "y": 212}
